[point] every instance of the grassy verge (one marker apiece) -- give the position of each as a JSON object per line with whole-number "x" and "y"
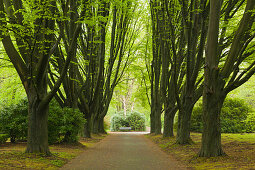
{"x": 12, "y": 156}
{"x": 240, "y": 150}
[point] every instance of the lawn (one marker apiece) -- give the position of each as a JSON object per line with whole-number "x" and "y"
{"x": 12, "y": 156}
{"x": 240, "y": 150}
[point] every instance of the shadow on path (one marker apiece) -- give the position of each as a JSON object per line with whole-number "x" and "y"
{"x": 124, "y": 151}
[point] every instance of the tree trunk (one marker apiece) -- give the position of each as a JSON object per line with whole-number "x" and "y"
{"x": 37, "y": 141}
{"x": 87, "y": 128}
{"x": 183, "y": 131}
{"x": 152, "y": 122}
{"x": 213, "y": 92}
{"x": 101, "y": 126}
{"x": 211, "y": 138}
{"x": 95, "y": 125}
{"x": 157, "y": 120}
{"x": 169, "y": 123}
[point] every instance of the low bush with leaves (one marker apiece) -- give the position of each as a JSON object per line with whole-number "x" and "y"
{"x": 13, "y": 120}
{"x": 3, "y": 138}
{"x": 235, "y": 117}
{"x": 64, "y": 124}
{"x": 135, "y": 120}
{"x": 250, "y": 123}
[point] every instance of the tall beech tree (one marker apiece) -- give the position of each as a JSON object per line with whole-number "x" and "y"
{"x": 96, "y": 69}
{"x": 28, "y": 29}
{"x": 157, "y": 50}
{"x": 124, "y": 34}
{"x": 220, "y": 80}
{"x": 194, "y": 19}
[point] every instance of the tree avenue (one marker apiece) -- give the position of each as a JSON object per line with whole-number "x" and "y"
{"x": 82, "y": 52}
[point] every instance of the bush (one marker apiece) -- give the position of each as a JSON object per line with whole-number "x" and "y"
{"x": 64, "y": 124}
{"x": 250, "y": 123}
{"x": 72, "y": 124}
{"x": 135, "y": 120}
{"x": 118, "y": 121}
{"x": 3, "y": 138}
{"x": 54, "y": 122}
{"x": 196, "y": 123}
{"x": 233, "y": 117}
{"x": 13, "y": 120}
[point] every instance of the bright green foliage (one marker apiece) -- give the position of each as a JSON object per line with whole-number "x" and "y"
{"x": 72, "y": 123}
{"x": 118, "y": 121}
{"x": 135, "y": 120}
{"x": 13, "y": 120}
{"x": 250, "y": 123}
{"x": 235, "y": 117}
{"x": 64, "y": 124}
{"x": 3, "y": 138}
{"x": 196, "y": 119}
{"x": 233, "y": 114}
{"x": 54, "y": 122}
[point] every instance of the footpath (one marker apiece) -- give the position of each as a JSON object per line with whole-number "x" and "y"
{"x": 124, "y": 151}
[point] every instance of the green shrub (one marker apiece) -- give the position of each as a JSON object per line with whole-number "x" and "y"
{"x": 118, "y": 121}
{"x": 135, "y": 120}
{"x": 233, "y": 117}
{"x": 196, "y": 123}
{"x": 64, "y": 124}
{"x": 54, "y": 122}
{"x": 233, "y": 114}
{"x": 3, "y": 138}
{"x": 13, "y": 120}
{"x": 250, "y": 123}
{"x": 72, "y": 124}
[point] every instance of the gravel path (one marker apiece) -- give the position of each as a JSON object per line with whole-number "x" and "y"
{"x": 124, "y": 151}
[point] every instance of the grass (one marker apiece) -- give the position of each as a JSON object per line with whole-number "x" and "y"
{"x": 240, "y": 150}
{"x": 12, "y": 156}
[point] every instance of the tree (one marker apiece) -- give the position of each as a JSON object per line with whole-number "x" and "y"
{"x": 220, "y": 80}
{"x": 28, "y": 29}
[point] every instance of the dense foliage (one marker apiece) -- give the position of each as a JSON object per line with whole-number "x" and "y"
{"x": 3, "y": 138}
{"x": 235, "y": 117}
{"x": 64, "y": 124}
{"x": 135, "y": 120}
{"x": 13, "y": 120}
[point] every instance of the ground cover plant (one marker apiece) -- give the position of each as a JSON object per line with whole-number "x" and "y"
{"x": 13, "y": 156}
{"x": 240, "y": 150}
